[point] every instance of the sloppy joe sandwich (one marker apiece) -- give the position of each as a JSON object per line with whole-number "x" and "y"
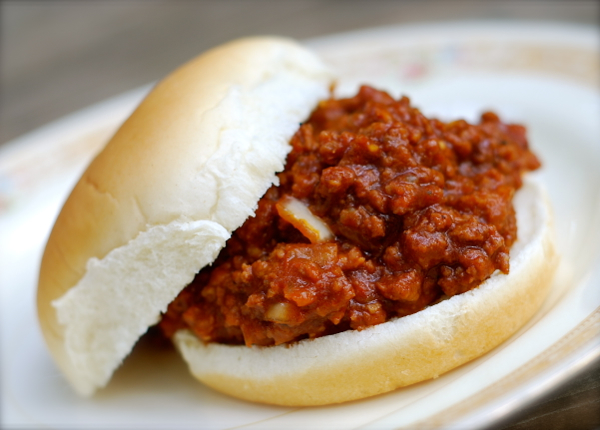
{"x": 298, "y": 248}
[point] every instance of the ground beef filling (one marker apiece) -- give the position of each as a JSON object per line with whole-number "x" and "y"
{"x": 417, "y": 208}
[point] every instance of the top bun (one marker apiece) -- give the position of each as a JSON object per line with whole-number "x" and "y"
{"x": 159, "y": 202}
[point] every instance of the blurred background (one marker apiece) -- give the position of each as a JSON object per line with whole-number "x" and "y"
{"x": 60, "y": 56}
{"x": 57, "y": 57}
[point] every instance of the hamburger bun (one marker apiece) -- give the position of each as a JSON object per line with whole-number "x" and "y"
{"x": 356, "y": 364}
{"x": 161, "y": 199}
{"x": 181, "y": 174}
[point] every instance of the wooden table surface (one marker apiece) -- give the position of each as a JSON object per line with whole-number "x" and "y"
{"x": 61, "y": 56}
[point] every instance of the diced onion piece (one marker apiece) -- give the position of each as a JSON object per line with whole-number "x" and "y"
{"x": 299, "y": 215}
{"x": 279, "y": 313}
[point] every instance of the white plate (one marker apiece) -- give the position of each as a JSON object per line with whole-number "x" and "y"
{"x": 544, "y": 76}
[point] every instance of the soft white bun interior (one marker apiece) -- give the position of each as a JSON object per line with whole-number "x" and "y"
{"x": 159, "y": 202}
{"x": 356, "y": 364}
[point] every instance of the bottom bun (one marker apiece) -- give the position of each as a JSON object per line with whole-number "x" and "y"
{"x": 356, "y": 364}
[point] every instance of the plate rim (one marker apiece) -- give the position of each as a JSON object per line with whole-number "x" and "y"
{"x": 536, "y": 387}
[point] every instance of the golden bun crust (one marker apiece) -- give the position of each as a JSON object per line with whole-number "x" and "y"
{"x": 356, "y": 364}
{"x": 161, "y": 199}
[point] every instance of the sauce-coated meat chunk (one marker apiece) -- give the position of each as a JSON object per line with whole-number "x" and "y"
{"x": 409, "y": 209}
